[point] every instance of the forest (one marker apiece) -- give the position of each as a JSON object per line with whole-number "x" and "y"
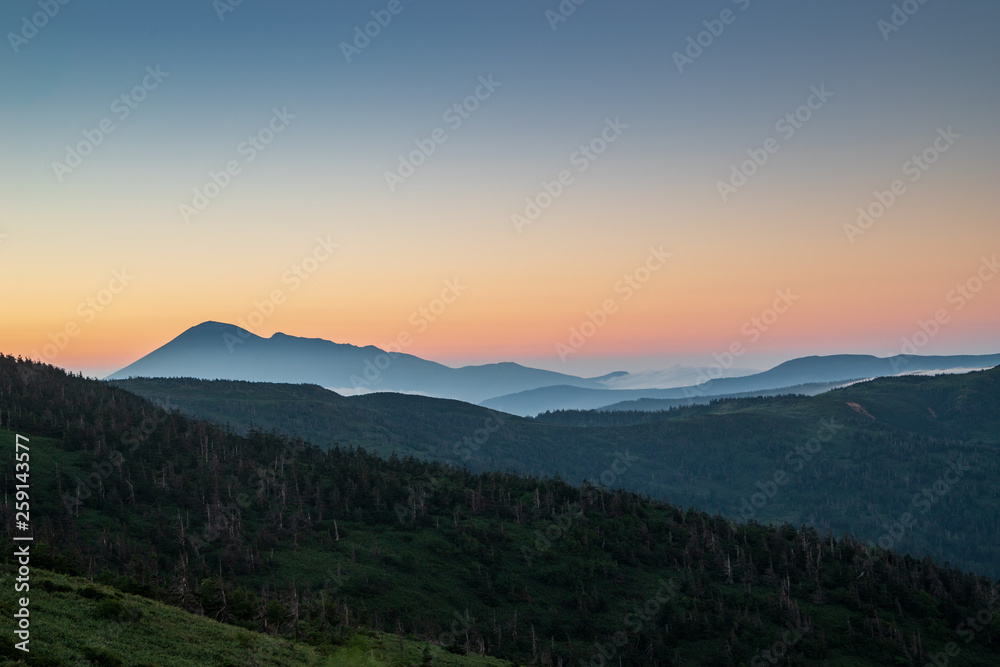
{"x": 273, "y": 534}
{"x": 892, "y": 440}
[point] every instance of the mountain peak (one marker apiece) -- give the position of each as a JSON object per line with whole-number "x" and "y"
{"x": 219, "y": 351}
{"x": 211, "y": 326}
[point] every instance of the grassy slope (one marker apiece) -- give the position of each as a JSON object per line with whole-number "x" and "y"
{"x": 75, "y": 620}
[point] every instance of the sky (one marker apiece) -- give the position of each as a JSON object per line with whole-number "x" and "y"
{"x": 585, "y": 188}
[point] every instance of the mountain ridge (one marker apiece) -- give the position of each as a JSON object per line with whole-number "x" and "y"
{"x": 834, "y": 368}
{"x": 216, "y": 350}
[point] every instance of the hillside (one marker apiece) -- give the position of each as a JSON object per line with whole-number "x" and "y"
{"x": 808, "y": 375}
{"x": 275, "y": 535}
{"x": 894, "y": 437}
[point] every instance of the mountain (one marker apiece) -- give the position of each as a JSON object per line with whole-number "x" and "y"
{"x": 213, "y": 350}
{"x": 807, "y": 370}
{"x": 327, "y": 546}
{"x": 893, "y": 438}
{"x": 217, "y": 351}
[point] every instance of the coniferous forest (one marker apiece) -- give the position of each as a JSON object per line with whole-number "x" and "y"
{"x": 854, "y": 460}
{"x": 324, "y": 547}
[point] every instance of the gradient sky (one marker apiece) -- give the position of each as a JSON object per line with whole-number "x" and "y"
{"x": 323, "y": 176}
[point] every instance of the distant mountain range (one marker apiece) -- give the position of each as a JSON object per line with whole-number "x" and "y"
{"x": 218, "y": 351}
{"x": 807, "y": 375}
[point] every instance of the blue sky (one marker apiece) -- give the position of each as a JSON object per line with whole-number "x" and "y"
{"x": 352, "y": 120}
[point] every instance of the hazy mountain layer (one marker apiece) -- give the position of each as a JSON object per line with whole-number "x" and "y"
{"x": 803, "y": 371}
{"x": 212, "y": 350}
